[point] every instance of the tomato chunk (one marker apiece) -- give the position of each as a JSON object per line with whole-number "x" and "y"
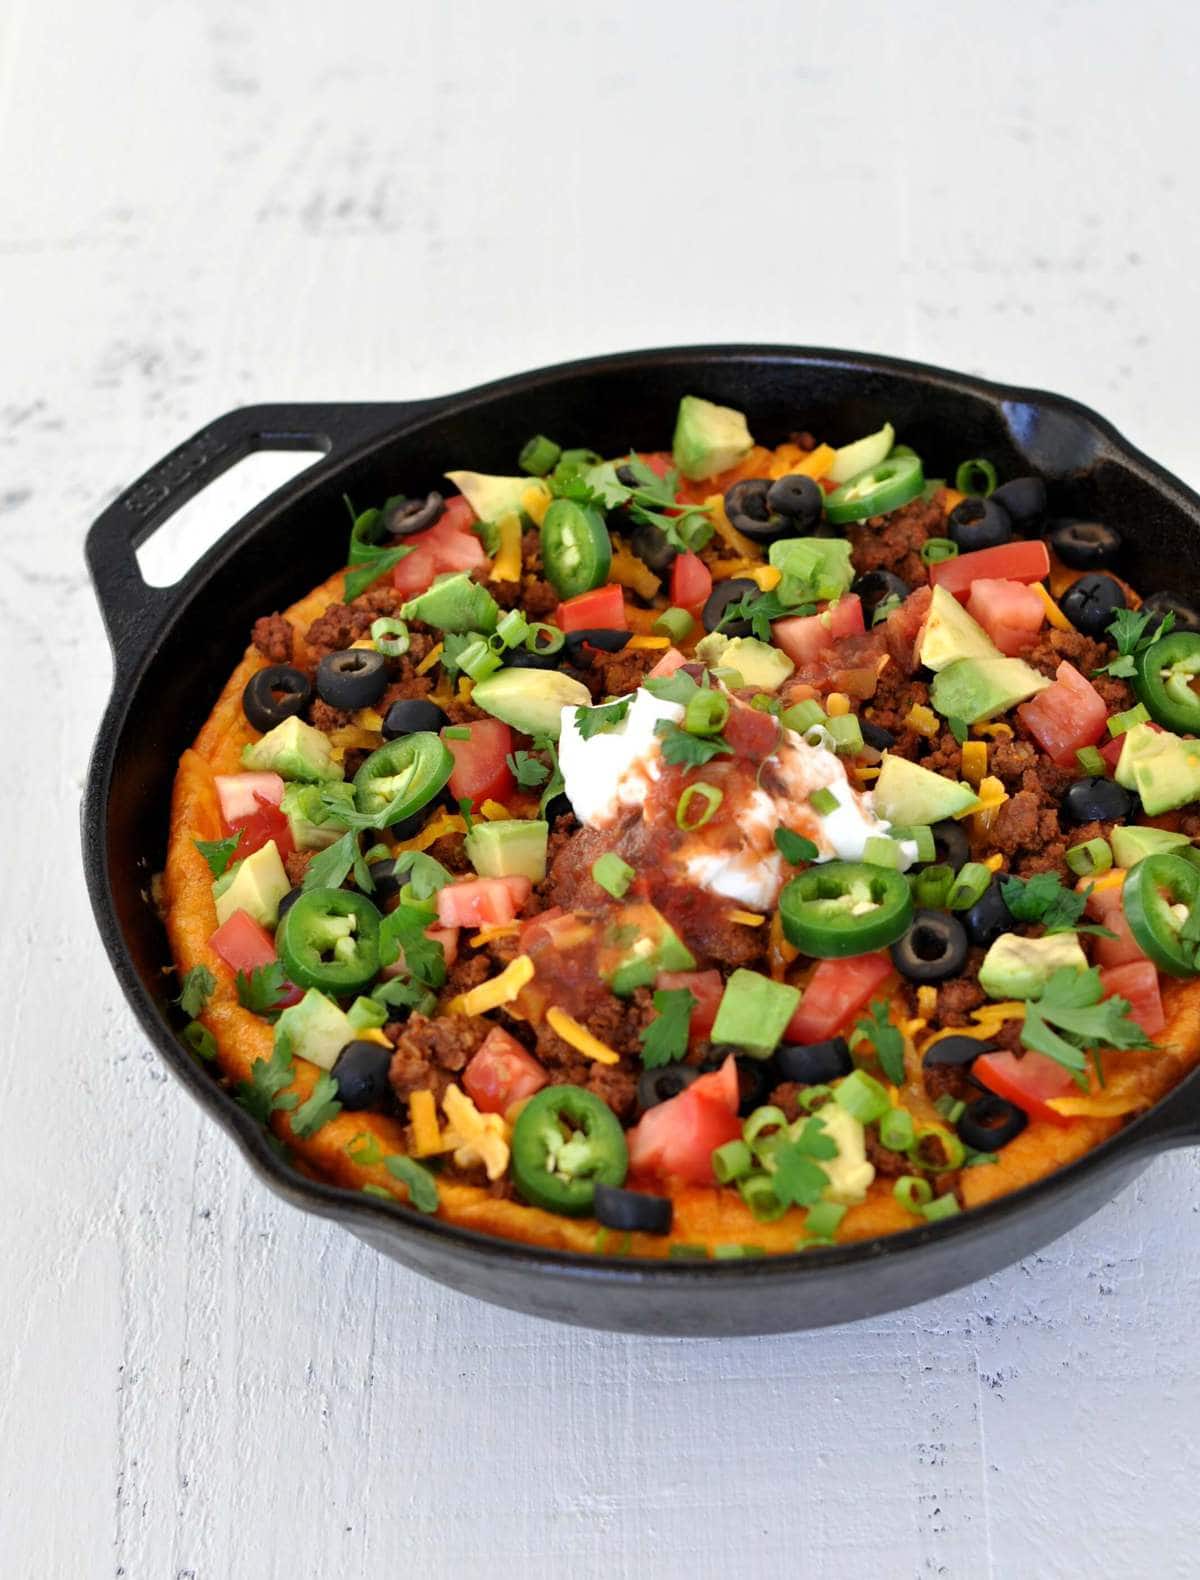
{"x": 678, "y": 1137}
{"x": 482, "y": 902}
{"x": 481, "y": 771}
{"x": 1028, "y": 1082}
{"x": 752, "y": 734}
{"x": 1105, "y": 906}
{"x": 671, "y": 660}
{"x": 259, "y": 827}
{"x": 691, "y": 582}
{"x": 1026, "y": 560}
{"x": 1010, "y": 612}
{"x": 846, "y": 617}
{"x": 501, "y": 1073}
{"x": 242, "y": 943}
{"x": 805, "y": 637}
{"x": 1069, "y": 715}
{"x": 602, "y": 609}
{"x": 449, "y": 545}
{"x": 706, "y": 987}
{"x": 240, "y": 794}
{"x": 837, "y": 991}
{"x": 1138, "y": 983}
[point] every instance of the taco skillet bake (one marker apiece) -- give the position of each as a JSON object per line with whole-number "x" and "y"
{"x": 720, "y": 852}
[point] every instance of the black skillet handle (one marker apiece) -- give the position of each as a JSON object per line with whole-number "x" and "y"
{"x": 130, "y": 606}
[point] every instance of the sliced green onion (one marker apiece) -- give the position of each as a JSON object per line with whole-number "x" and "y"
{"x": 706, "y": 713}
{"x": 766, "y": 1118}
{"x": 612, "y": 874}
{"x": 763, "y": 702}
{"x": 688, "y": 1253}
{"x": 1119, "y": 723}
{"x": 976, "y": 477}
{"x": 863, "y": 1097}
{"x": 847, "y": 734}
{"x": 912, "y": 1192}
{"x": 896, "y": 1130}
{"x": 675, "y": 623}
{"x": 456, "y": 732}
{"x": 885, "y": 607}
{"x": 931, "y": 886}
{"x": 969, "y": 886}
{"x": 952, "y": 1148}
{"x": 390, "y": 637}
{"x": 709, "y": 794}
{"x": 921, "y": 836}
{"x": 950, "y": 1108}
{"x": 880, "y": 851}
{"x": 935, "y": 550}
{"x": 539, "y": 456}
{"x": 1091, "y": 762}
{"x": 1089, "y": 858}
{"x": 803, "y": 715}
{"x": 759, "y": 1195}
{"x": 822, "y": 1220}
{"x": 732, "y": 1162}
{"x": 813, "y": 1097}
{"x": 944, "y": 1207}
{"x": 511, "y": 629}
{"x": 580, "y": 458}
{"x": 736, "y": 1253}
{"x": 542, "y": 638}
{"x": 477, "y": 659}
{"x": 823, "y": 802}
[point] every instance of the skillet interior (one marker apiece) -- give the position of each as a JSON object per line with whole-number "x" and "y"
{"x": 174, "y": 648}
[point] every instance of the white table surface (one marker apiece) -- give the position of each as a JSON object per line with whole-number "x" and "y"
{"x": 203, "y": 204}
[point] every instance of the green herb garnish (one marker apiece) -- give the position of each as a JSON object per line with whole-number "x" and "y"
{"x": 794, "y": 847}
{"x": 264, "y": 1092}
{"x": 1129, "y": 631}
{"x": 217, "y": 852}
{"x": 1070, "y": 1017}
{"x": 318, "y": 1108}
{"x": 886, "y": 1039}
{"x": 197, "y": 989}
{"x": 594, "y": 721}
{"x": 797, "y": 1179}
{"x": 264, "y": 989}
{"x": 665, "y": 1039}
{"x": 1044, "y": 898}
{"x": 689, "y": 751}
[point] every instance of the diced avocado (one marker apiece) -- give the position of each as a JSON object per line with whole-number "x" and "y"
{"x": 910, "y": 795}
{"x": 255, "y": 885}
{"x": 950, "y": 634}
{"x": 754, "y": 1012}
{"x": 509, "y": 848}
{"x": 849, "y": 1173}
{"x": 708, "y": 439}
{"x": 492, "y": 497}
{"x": 1141, "y": 741}
{"x": 851, "y": 459}
{"x": 637, "y": 946}
{"x": 1016, "y": 967}
{"x": 454, "y": 602}
{"x": 366, "y": 1013}
{"x": 295, "y": 750}
{"x": 758, "y": 663}
{"x": 1169, "y": 778}
{"x": 978, "y": 688}
{"x": 318, "y": 1029}
{"x": 819, "y": 566}
{"x": 531, "y": 700}
{"x": 1131, "y": 842}
{"x": 313, "y": 826}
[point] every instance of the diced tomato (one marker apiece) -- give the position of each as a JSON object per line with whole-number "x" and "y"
{"x": 752, "y": 734}
{"x": 678, "y": 1137}
{"x": 846, "y": 617}
{"x": 449, "y": 545}
{"x": 1137, "y": 982}
{"x": 836, "y": 992}
{"x": 481, "y": 772}
{"x": 482, "y": 902}
{"x": 1069, "y": 715}
{"x": 805, "y": 637}
{"x": 242, "y": 943}
{"x": 1028, "y": 1082}
{"x": 1111, "y": 752}
{"x": 265, "y": 823}
{"x": 706, "y": 987}
{"x": 1010, "y": 612}
{"x": 691, "y": 582}
{"x": 671, "y": 660}
{"x": 501, "y": 1073}
{"x": 602, "y": 609}
{"x": 1105, "y": 906}
{"x": 1023, "y": 560}
{"x": 240, "y": 794}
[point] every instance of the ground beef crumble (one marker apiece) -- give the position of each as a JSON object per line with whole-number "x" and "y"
{"x": 273, "y": 637}
{"x": 894, "y": 542}
{"x": 431, "y": 1053}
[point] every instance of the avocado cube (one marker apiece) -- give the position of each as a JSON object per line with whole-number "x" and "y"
{"x": 639, "y": 945}
{"x": 255, "y": 885}
{"x": 978, "y": 688}
{"x": 318, "y": 1029}
{"x": 754, "y": 1012}
{"x": 531, "y": 700}
{"x": 911, "y": 796}
{"x": 294, "y": 750}
{"x": 1017, "y": 967}
{"x": 708, "y": 438}
{"x": 1130, "y": 843}
{"x": 493, "y": 497}
{"x": 509, "y": 848}
{"x": 454, "y": 602}
{"x": 950, "y": 634}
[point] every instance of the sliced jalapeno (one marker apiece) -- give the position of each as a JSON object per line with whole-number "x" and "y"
{"x": 576, "y": 548}
{"x": 1165, "y": 680}
{"x": 329, "y": 939}
{"x": 1161, "y": 894}
{"x": 844, "y": 908}
{"x": 877, "y": 490}
{"x": 402, "y": 777}
{"x": 566, "y": 1141}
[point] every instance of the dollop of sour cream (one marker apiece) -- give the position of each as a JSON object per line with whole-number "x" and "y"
{"x": 609, "y": 775}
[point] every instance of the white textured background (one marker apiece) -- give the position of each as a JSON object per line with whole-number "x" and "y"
{"x": 203, "y": 204}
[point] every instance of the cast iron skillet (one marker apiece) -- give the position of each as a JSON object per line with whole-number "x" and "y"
{"x": 174, "y": 647}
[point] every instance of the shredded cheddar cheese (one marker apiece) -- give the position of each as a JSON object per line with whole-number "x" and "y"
{"x": 580, "y": 1038}
{"x": 444, "y": 823}
{"x": 927, "y": 1001}
{"x": 474, "y": 1137}
{"x": 950, "y": 498}
{"x": 485, "y": 935}
{"x": 1053, "y": 613}
{"x": 746, "y": 918}
{"x": 430, "y": 659}
{"x": 368, "y": 719}
{"x": 496, "y": 991}
{"x": 465, "y": 686}
{"x": 994, "y": 862}
{"x": 922, "y": 719}
{"x": 974, "y": 762}
{"x": 648, "y": 644}
{"x": 995, "y": 730}
{"x": 495, "y": 812}
{"x": 506, "y": 567}
{"x": 422, "y": 1115}
{"x": 535, "y": 502}
{"x": 1096, "y": 1107}
{"x": 631, "y": 572}
{"x": 816, "y": 463}
{"x": 1110, "y": 880}
{"x": 766, "y": 577}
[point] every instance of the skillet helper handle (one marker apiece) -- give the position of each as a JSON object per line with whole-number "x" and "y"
{"x": 130, "y": 606}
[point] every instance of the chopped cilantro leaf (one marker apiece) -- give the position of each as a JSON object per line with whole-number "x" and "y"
{"x": 958, "y": 729}
{"x": 198, "y": 985}
{"x": 364, "y": 1149}
{"x": 1129, "y": 629}
{"x": 794, "y": 847}
{"x": 1044, "y": 898}
{"x": 797, "y": 1178}
{"x": 665, "y": 1039}
{"x": 422, "y": 1187}
{"x": 690, "y": 751}
{"x": 761, "y": 608}
{"x": 264, "y": 989}
{"x": 527, "y": 770}
{"x": 425, "y": 874}
{"x": 217, "y": 852}
{"x": 886, "y": 1039}
{"x": 679, "y": 687}
{"x": 318, "y": 1108}
{"x": 364, "y": 575}
{"x": 330, "y": 867}
{"x": 264, "y": 1092}
{"x": 395, "y": 993}
{"x": 543, "y": 743}
{"x": 403, "y": 930}
{"x": 593, "y": 721}
{"x": 1070, "y": 1017}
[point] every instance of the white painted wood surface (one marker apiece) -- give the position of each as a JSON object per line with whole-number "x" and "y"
{"x": 203, "y": 204}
